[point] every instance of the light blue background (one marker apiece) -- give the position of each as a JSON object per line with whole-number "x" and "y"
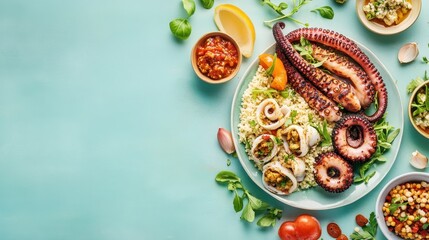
{"x": 106, "y": 132}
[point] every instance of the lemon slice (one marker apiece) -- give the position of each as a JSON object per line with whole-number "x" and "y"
{"x": 234, "y": 22}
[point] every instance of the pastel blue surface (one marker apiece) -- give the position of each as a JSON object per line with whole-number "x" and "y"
{"x": 106, "y": 132}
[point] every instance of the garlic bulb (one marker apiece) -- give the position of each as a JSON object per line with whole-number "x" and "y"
{"x": 418, "y": 160}
{"x": 225, "y": 140}
{"x": 408, "y": 52}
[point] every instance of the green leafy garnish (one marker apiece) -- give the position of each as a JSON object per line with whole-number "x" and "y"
{"x": 253, "y": 206}
{"x": 425, "y": 60}
{"x": 324, "y": 133}
{"x": 207, "y": 4}
{"x": 305, "y": 49}
{"x": 270, "y": 70}
{"x": 181, "y": 28}
{"x": 325, "y": 12}
{"x": 425, "y": 226}
{"x": 386, "y": 134}
{"x": 296, "y": 5}
{"x": 267, "y": 92}
{"x": 368, "y": 231}
{"x": 416, "y": 82}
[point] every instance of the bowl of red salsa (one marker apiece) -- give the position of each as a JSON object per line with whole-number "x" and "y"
{"x": 216, "y": 58}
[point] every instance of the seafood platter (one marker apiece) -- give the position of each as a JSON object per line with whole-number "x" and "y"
{"x": 315, "y": 142}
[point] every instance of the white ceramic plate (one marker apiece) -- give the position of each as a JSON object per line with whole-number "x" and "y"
{"x": 317, "y": 198}
{"x": 404, "y": 178}
{"x": 380, "y": 29}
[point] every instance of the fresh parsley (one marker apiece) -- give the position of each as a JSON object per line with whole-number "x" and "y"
{"x": 267, "y": 92}
{"x": 425, "y": 60}
{"x": 368, "y": 231}
{"x": 253, "y": 205}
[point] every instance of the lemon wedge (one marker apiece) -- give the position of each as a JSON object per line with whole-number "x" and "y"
{"x": 234, "y": 22}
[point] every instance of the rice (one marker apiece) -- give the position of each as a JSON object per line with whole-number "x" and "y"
{"x": 259, "y": 90}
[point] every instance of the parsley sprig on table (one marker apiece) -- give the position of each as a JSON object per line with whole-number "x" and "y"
{"x": 253, "y": 206}
{"x": 386, "y": 134}
{"x": 368, "y": 231}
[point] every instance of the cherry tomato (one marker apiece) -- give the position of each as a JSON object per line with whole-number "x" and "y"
{"x": 305, "y": 227}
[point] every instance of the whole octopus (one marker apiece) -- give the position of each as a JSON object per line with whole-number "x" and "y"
{"x": 351, "y": 82}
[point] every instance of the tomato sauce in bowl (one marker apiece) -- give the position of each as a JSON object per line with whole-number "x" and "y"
{"x": 216, "y": 57}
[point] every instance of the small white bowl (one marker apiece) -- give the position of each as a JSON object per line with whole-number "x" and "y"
{"x": 404, "y": 178}
{"x": 380, "y": 29}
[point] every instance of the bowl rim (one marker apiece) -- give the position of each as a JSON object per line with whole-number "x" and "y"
{"x": 193, "y": 57}
{"x": 404, "y": 178}
{"x": 410, "y": 114}
{"x": 377, "y": 28}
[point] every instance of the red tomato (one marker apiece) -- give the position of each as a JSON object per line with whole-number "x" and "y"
{"x": 305, "y": 227}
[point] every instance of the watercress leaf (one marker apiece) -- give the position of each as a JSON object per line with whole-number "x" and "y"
{"x": 248, "y": 214}
{"x": 325, "y": 12}
{"x": 237, "y": 202}
{"x": 231, "y": 186}
{"x": 227, "y": 176}
{"x": 391, "y": 137}
{"x": 189, "y": 6}
{"x": 207, "y": 4}
{"x": 283, "y": 6}
{"x": 181, "y": 28}
{"x": 256, "y": 203}
{"x": 267, "y": 221}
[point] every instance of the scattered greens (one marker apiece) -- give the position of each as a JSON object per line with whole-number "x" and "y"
{"x": 181, "y": 27}
{"x": 325, "y": 12}
{"x": 386, "y": 134}
{"x": 416, "y": 82}
{"x": 253, "y": 206}
{"x": 305, "y": 49}
{"x": 368, "y": 231}
{"x": 207, "y": 4}
{"x": 267, "y": 92}
{"x": 324, "y": 133}
{"x": 296, "y": 5}
{"x": 425, "y": 60}
{"x": 395, "y": 204}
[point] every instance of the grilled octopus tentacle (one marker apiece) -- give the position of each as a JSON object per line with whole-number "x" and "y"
{"x": 333, "y": 173}
{"x": 349, "y": 47}
{"x": 337, "y": 90}
{"x": 343, "y": 66}
{"x": 315, "y": 99}
{"x": 354, "y": 138}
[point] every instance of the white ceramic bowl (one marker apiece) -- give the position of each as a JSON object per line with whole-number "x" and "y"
{"x": 407, "y": 177}
{"x": 380, "y": 29}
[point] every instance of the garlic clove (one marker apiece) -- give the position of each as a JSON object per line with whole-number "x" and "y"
{"x": 418, "y": 160}
{"x": 408, "y": 52}
{"x": 225, "y": 140}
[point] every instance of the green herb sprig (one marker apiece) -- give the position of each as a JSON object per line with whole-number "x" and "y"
{"x": 305, "y": 49}
{"x": 368, "y": 231}
{"x": 253, "y": 206}
{"x": 324, "y": 133}
{"x": 325, "y": 11}
{"x": 386, "y": 134}
{"x": 296, "y": 5}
